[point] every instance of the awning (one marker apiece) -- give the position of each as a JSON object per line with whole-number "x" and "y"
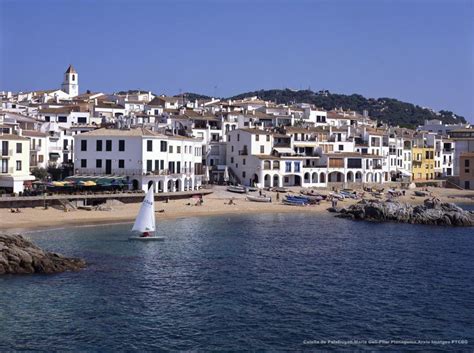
{"x": 54, "y": 155}
{"x": 285, "y": 150}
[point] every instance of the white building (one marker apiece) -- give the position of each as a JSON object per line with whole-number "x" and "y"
{"x": 171, "y": 163}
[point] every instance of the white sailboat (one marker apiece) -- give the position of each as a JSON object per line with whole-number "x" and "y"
{"x": 145, "y": 221}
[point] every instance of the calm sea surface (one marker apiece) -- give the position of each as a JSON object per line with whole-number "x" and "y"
{"x": 261, "y": 282}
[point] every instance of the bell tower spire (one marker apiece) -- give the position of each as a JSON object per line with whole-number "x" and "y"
{"x": 71, "y": 82}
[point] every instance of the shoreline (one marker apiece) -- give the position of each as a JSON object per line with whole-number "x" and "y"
{"x": 38, "y": 219}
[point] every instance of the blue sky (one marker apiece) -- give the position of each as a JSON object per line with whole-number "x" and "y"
{"x": 418, "y": 51}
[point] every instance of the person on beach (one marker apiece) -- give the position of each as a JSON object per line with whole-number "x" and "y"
{"x": 278, "y": 196}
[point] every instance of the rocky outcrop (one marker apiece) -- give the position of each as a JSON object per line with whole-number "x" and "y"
{"x": 20, "y": 256}
{"x": 431, "y": 212}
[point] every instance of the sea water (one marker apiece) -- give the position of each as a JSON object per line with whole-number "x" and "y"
{"x": 261, "y": 282}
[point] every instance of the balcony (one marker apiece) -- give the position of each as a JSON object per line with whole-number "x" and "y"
{"x": 377, "y": 167}
{"x": 7, "y": 171}
{"x": 5, "y": 154}
{"x": 448, "y": 150}
{"x": 35, "y": 148}
{"x": 243, "y": 153}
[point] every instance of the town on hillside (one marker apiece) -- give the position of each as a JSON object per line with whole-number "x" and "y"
{"x": 136, "y": 139}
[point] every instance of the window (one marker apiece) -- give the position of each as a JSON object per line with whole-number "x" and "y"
{"x": 121, "y": 163}
{"x": 47, "y": 119}
{"x": 287, "y": 167}
{"x": 18, "y": 147}
{"x": 297, "y": 167}
{"x": 149, "y": 165}
{"x": 340, "y": 147}
{"x": 185, "y": 149}
{"x": 149, "y": 146}
{"x": 98, "y": 145}
{"x": 121, "y": 145}
{"x": 171, "y": 149}
{"x": 178, "y": 149}
{"x": 163, "y": 146}
{"x": 268, "y": 138}
{"x": 243, "y": 161}
{"x": 243, "y": 174}
{"x": 162, "y": 164}
{"x": 98, "y": 163}
{"x": 73, "y": 77}
{"x": 262, "y": 149}
{"x": 466, "y": 163}
{"x": 231, "y": 159}
{"x": 4, "y": 165}
{"x": 257, "y": 137}
{"x": 83, "y": 145}
{"x": 83, "y": 163}
{"x": 108, "y": 145}
{"x": 62, "y": 119}
{"x": 18, "y": 165}
{"x": 238, "y": 137}
{"x": 82, "y": 120}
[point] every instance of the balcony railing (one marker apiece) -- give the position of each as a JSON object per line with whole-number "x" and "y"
{"x": 6, "y": 153}
{"x": 243, "y": 153}
{"x": 120, "y": 171}
{"x": 6, "y": 171}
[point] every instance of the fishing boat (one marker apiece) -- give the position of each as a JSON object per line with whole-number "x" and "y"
{"x": 144, "y": 225}
{"x": 259, "y": 198}
{"x": 237, "y": 188}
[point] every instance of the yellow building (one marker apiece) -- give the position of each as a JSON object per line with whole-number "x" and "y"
{"x": 423, "y": 162}
{"x": 14, "y": 162}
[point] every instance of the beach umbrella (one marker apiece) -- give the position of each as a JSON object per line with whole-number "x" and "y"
{"x": 226, "y": 174}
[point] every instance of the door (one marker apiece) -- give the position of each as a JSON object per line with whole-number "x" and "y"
{"x": 108, "y": 166}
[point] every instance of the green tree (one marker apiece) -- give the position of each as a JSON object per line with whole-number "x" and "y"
{"x": 40, "y": 173}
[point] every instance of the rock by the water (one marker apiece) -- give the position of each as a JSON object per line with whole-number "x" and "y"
{"x": 431, "y": 212}
{"x": 20, "y": 256}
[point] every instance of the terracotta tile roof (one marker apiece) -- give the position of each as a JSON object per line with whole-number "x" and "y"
{"x": 12, "y": 137}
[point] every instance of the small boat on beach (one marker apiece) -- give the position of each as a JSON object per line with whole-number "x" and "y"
{"x": 278, "y": 189}
{"x": 237, "y": 188}
{"x": 421, "y": 193}
{"x": 145, "y": 221}
{"x": 313, "y": 194}
{"x": 294, "y": 201}
{"x": 259, "y": 198}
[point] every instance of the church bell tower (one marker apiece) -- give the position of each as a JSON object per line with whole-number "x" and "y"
{"x": 71, "y": 82}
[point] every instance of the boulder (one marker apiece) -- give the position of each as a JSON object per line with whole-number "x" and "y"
{"x": 431, "y": 212}
{"x": 19, "y": 255}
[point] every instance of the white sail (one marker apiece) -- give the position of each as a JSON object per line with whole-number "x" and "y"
{"x": 145, "y": 221}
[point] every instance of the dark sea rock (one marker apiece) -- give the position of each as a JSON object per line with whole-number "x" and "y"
{"x": 431, "y": 212}
{"x": 20, "y": 256}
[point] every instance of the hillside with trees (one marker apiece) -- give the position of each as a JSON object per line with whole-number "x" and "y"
{"x": 387, "y": 110}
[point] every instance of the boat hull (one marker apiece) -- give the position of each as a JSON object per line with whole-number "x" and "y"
{"x": 259, "y": 199}
{"x": 154, "y": 238}
{"x": 237, "y": 190}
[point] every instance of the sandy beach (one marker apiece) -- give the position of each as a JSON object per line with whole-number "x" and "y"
{"x": 214, "y": 204}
